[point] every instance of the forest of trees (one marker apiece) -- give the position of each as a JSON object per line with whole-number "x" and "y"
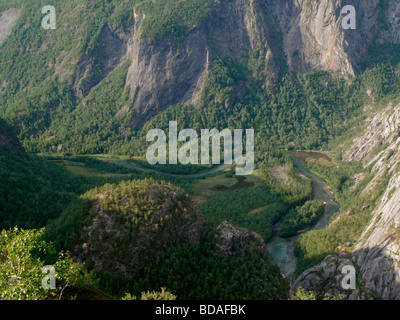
{"x": 304, "y": 111}
{"x": 236, "y": 206}
{"x": 301, "y": 218}
{"x": 198, "y": 273}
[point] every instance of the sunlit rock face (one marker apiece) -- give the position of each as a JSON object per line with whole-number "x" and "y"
{"x": 376, "y": 255}
{"x": 8, "y": 19}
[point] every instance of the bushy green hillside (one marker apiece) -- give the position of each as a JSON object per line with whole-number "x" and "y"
{"x": 34, "y": 190}
{"x": 301, "y": 218}
{"x": 237, "y": 206}
{"x": 140, "y": 235}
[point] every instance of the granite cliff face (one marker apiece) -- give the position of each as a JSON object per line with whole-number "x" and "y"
{"x": 313, "y": 37}
{"x": 305, "y": 34}
{"x": 377, "y": 252}
{"x": 8, "y": 19}
{"x": 310, "y": 34}
{"x": 376, "y": 256}
{"x": 166, "y": 71}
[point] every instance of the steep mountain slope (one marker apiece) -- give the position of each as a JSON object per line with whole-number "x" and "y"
{"x": 8, "y": 19}
{"x": 8, "y": 140}
{"x": 313, "y": 36}
{"x": 137, "y": 235}
{"x": 114, "y": 68}
{"x": 29, "y": 193}
{"x": 109, "y": 68}
{"x": 376, "y": 254}
{"x": 165, "y": 72}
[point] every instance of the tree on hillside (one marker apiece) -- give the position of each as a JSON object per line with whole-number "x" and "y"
{"x": 22, "y": 257}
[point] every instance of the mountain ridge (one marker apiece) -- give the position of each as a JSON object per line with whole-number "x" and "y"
{"x": 173, "y": 68}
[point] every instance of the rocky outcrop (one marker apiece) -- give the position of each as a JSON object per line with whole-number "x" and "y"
{"x": 376, "y": 255}
{"x": 392, "y": 32}
{"x": 325, "y": 278}
{"x": 92, "y": 69}
{"x": 380, "y": 128}
{"x": 235, "y": 240}
{"x": 377, "y": 252}
{"x": 8, "y": 19}
{"x": 167, "y": 71}
{"x": 129, "y": 223}
{"x": 379, "y": 145}
{"x": 313, "y": 37}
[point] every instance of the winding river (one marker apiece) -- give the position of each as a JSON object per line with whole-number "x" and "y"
{"x": 282, "y": 249}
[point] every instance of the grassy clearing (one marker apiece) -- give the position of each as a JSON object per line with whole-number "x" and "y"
{"x": 258, "y": 210}
{"x": 224, "y": 181}
{"x": 313, "y": 156}
{"x": 90, "y": 173}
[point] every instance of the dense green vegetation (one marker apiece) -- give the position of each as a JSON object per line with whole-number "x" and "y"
{"x": 236, "y": 206}
{"x": 165, "y": 17}
{"x": 198, "y": 273}
{"x": 43, "y": 106}
{"x": 140, "y": 209}
{"x": 189, "y": 271}
{"x": 299, "y": 189}
{"x": 23, "y": 255}
{"x": 304, "y": 295}
{"x": 301, "y": 218}
{"x": 162, "y": 295}
{"x": 303, "y": 111}
{"x": 176, "y": 169}
{"x": 33, "y": 191}
{"x": 102, "y": 166}
{"x": 294, "y": 111}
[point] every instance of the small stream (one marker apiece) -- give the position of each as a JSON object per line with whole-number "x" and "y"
{"x": 282, "y": 249}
